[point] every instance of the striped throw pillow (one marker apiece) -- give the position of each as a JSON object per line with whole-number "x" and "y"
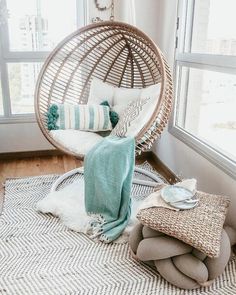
{"x": 79, "y": 117}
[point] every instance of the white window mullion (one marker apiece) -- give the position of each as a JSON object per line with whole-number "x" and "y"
{"x": 4, "y": 78}
{"x": 189, "y": 19}
{"x": 4, "y": 31}
{"x": 4, "y": 48}
{"x": 184, "y": 29}
{"x": 82, "y": 13}
{"x": 25, "y": 56}
{"x": 202, "y": 66}
{"x": 223, "y": 61}
{"x": 5, "y": 89}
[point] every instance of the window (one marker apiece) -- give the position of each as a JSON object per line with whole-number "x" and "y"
{"x": 29, "y": 30}
{"x": 22, "y": 80}
{"x": 36, "y": 25}
{"x": 205, "y": 108}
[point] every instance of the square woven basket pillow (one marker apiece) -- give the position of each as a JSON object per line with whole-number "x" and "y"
{"x": 200, "y": 227}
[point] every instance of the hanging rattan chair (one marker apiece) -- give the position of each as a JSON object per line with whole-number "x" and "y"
{"x": 114, "y": 52}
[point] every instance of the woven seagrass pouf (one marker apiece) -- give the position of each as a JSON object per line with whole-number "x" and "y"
{"x": 179, "y": 263}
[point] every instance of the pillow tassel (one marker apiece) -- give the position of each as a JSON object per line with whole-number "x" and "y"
{"x": 114, "y": 117}
{"x": 52, "y": 116}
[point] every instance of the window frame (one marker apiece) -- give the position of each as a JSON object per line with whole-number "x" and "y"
{"x": 219, "y": 63}
{"x": 7, "y": 56}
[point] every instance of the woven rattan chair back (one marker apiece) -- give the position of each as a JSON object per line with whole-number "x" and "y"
{"x": 113, "y": 52}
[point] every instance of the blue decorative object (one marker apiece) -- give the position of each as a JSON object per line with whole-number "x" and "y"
{"x": 179, "y": 197}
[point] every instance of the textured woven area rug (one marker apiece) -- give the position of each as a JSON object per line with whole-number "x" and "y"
{"x": 38, "y": 255}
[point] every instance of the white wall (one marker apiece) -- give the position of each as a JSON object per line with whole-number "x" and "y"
{"x": 146, "y": 17}
{"x": 22, "y": 137}
{"x": 160, "y": 24}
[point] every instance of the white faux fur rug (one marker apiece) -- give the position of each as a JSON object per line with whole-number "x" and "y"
{"x": 68, "y": 204}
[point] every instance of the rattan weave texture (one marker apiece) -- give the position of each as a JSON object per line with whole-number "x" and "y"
{"x": 113, "y": 52}
{"x": 200, "y": 227}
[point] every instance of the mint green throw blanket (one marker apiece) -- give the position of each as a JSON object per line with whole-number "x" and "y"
{"x": 108, "y": 172}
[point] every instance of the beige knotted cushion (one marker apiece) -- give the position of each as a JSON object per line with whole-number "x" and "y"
{"x": 200, "y": 227}
{"x": 179, "y": 263}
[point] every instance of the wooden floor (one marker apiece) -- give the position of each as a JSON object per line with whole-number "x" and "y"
{"x": 14, "y": 168}
{"x": 33, "y": 166}
{"x": 36, "y": 166}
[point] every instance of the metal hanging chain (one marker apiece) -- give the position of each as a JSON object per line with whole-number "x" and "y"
{"x": 105, "y": 8}
{"x": 112, "y": 11}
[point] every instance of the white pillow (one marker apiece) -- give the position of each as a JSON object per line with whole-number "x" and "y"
{"x": 100, "y": 91}
{"x": 138, "y": 112}
{"x": 117, "y": 97}
{"x": 124, "y": 96}
{"x": 151, "y": 91}
{"x": 86, "y": 117}
{"x": 120, "y": 98}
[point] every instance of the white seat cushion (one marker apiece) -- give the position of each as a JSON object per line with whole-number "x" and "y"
{"x": 76, "y": 141}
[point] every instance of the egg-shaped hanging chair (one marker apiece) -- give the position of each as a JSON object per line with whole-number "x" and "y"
{"x": 113, "y": 52}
